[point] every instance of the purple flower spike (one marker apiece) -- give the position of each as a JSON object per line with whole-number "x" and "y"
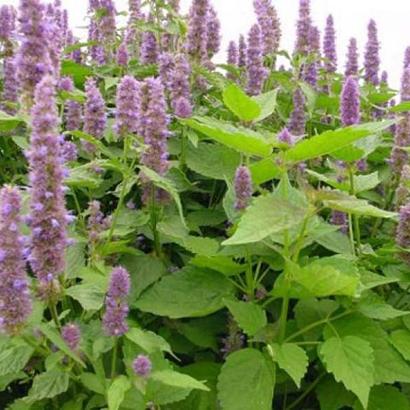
{"x": 310, "y": 70}
{"x": 352, "y": 64}
{"x": 297, "y": 121}
{"x": 153, "y": 127}
{"x": 286, "y": 137}
{"x": 371, "y": 56}
{"x": 71, "y": 334}
{"x": 407, "y": 57}
{"x": 233, "y": 55}
{"x": 10, "y": 86}
{"x": 142, "y": 366}
{"x": 269, "y": 24}
{"x": 122, "y": 55}
{"x": 33, "y": 59}
{"x": 95, "y": 118}
{"x": 329, "y": 46}
{"x": 350, "y": 102}
{"x": 180, "y": 88}
{"x": 197, "y": 40}
{"x": 403, "y": 190}
{"x": 166, "y": 69}
{"x": 340, "y": 219}
{"x": 48, "y": 217}
{"x": 15, "y": 300}
{"x": 7, "y": 23}
{"x": 303, "y": 28}
{"x": 403, "y": 233}
{"x": 214, "y": 33}
{"x": 116, "y": 307}
{"x": 126, "y": 117}
{"x": 242, "y": 51}
{"x": 399, "y": 157}
{"x": 256, "y": 72}
{"x": 243, "y": 187}
{"x": 149, "y": 48}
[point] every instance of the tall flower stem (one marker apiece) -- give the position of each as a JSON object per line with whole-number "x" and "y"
{"x": 154, "y": 223}
{"x": 114, "y": 358}
{"x": 355, "y": 219}
{"x": 54, "y": 314}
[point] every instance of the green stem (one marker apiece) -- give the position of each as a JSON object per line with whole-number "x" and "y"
{"x": 154, "y": 223}
{"x": 356, "y": 225}
{"x": 114, "y": 358}
{"x": 54, "y": 314}
{"x": 305, "y": 393}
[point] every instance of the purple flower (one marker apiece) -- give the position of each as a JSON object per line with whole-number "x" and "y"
{"x": 340, "y": 219}
{"x": 242, "y": 51}
{"x": 407, "y": 57}
{"x": 149, "y": 48}
{"x": 371, "y": 56}
{"x": 399, "y": 157}
{"x": 142, "y": 365}
{"x": 352, "y": 64}
{"x": 310, "y": 70}
{"x": 48, "y": 222}
{"x": 350, "y": 102}
{"x": 214, "y": 32}
{"x": 10, "y": 86}
{"x": 33, "y": 59}
{"x": 269, "y": 24}
{"x": 68, "y": 150}
{"x": 75, "y": 55}
{"x": 122, "y": 55}
{"x": 153, "y": 127}
{"x": 303, "y": 28}
{"x": 116, "y": 307}
{"x": 243, "y": 187}
{"x": 97, "y": 222}
{"x": 71, "y": 334}
{"x": 134, "y": 7}
{"x": 286, "y": 137}
{"x": 74, "y": 115}
{"x": 329, "y": 46}
{"x": 255, "y": 70}
{"x": 95, "y": 118}
{"x": 96, "y": 51}
{"x": 403, "y": 190}
{"x": 66, "y": 84}
{"x": 180, "y": 88}
{"x": 126, "y": 116}
{"x": 197, "y": 40}
{"x": 166, "y": 69}
{"x": 7, "y": 23}
{"x": 233, "y": 55}
{"x": 55, "y": 35}
{"x": 403, "y": 233}
{"x": 297, "y": 121}
{"x": 15, "y": 300}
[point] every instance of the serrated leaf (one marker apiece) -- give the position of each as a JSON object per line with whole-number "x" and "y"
{"x": 331, "y": 141}
{"x": 240, "y": 139}
{"x": 116, "y": 392}
{"x": 9, "y": 123}
{"x": 400, "y": 339}
{"x": 192, "y": 292}
{"x": 265, "y": 216}
{"x": 179, "y": 380}
{"x": 13, "y": 359}
{"x": 148, "y": 341}
{"x": 244, "y": 107}
{"x": 351, "y": 360}
{"x": 292, "y": 359}
{"x": 333, "y": 396}
{"x": 48, "y": 385}
{"x": 245, "y": 382}
{"x": 267, "y": 102}
{"x": 385, "y": 398}
{"x": 89, "y": 295}
{"x": 250, "y": 317}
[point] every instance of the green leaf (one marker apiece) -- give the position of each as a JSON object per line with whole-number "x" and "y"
{"x": 9, "y": 123}
{"x": 213, "y": 160}
{"x": 265, "y": 216}
{"x": 92, "y": 382}
{"x": 250, "y": 317}
{"x": 351, "y": 360}
{"x": 292, "y": 359}
{"x": 402, "y": 107}
{"x": 331, "y": 141}
{"x": 148, "y": 341}
{"x": 332, "y": 395}
{"x": 13, "y": 359}
{"x": 192, "y": 292}
{"x": 179, "y": 380}
{"x": 75, "y": 260}
{"x": 324, "y": 277}
{"x": 264, "y": 170}
{"x": 374, "y": 307}
{"x": 359, "y": 207}
{"x": 58, "y": 341}
{"x": 359, "y": 149}
{"x": 166, "y": 185}
{"x": 246, "y": 382}
{"x": 240, "y": 139}
{"x": 78, "y": 72}
{"x": 400, "y": 339}
{"x": 267, "y": 102}
{"x": 89, "y": 295}
{"x": 386, "y": 398}
{"x": 48, "y": 385}
{"x": 116, "y": 392}
{"x": 244, "y": 107}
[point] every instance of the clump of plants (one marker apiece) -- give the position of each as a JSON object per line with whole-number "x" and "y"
{"x": 185, "y": 235}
